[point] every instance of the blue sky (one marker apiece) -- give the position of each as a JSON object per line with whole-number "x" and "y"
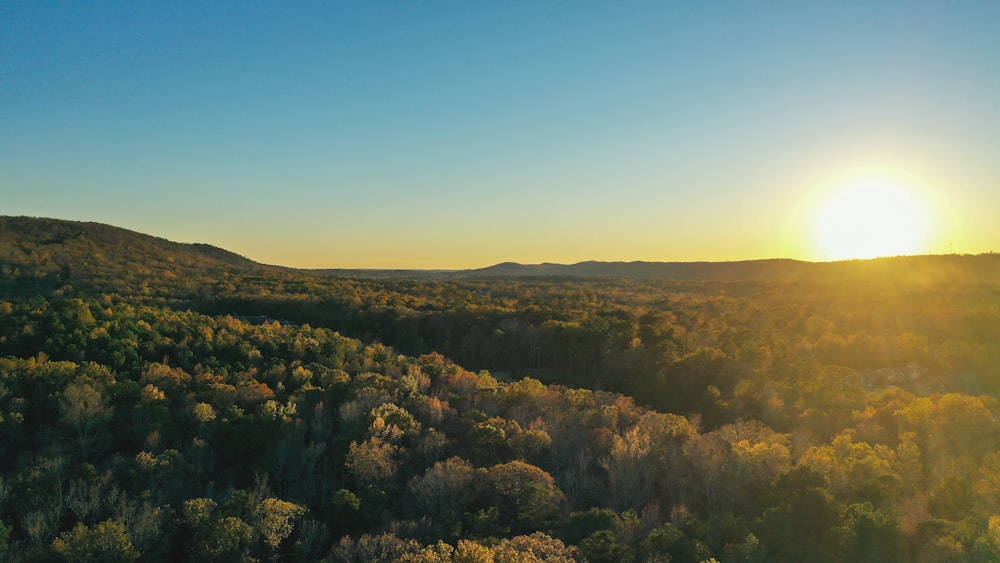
{"x": 401, "y": 134}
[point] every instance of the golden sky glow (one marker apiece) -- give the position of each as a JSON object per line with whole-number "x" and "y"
{"x": 873, "y": 211}
{"x": 397, "y": 135}
{"x": 871, "y": 216}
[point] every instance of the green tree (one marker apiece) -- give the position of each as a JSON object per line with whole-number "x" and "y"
{"x": 603, "y": 547}
{"x": 528, "y": 495}
{"x": 4, "y": 537}
{"x": 873, "y": 535}
{"x": 345, "y": 509}
{"x": 801, "y": 525}
{"x": 952, "y": 499}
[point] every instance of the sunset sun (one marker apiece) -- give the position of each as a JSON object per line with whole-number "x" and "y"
{"x": 871, "y": 216}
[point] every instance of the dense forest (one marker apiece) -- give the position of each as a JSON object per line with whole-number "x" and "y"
{"x": 164, "y": 402}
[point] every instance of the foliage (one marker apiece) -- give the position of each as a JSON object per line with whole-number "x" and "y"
{"x": 152, "y": 406}
{"x": 106, "y": 541}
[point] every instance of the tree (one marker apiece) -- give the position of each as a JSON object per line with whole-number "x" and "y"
{"x": 372, "y": 462}
{"x": 106, "y": 541}
{"x": 801, "y": 525}
{"x": 528, "y": 495}
{"x": 736, "y": 464}
{"x": 444, "y": 490}
{"x": 276, "y": 520}
{"x": 383, "y": 548}
{"x": 630, "y": 468}
{"x": 4, "y": 536}
{"x": 215, "y": 538}
{"x": 471, "y": 552}
{"x": 603, "y": 547}
{"x": 874, "y": 534}
{"x": 345, "y": 509}
{"x": 856, "y": 471}
{"x": 392, "y": 423}
{"x": 83, "y": 407}
{"x": 669, "y": 543}
{"x": 487, "y": 443}
{"x": 228, "y": 540}
{"x": 582, "y": 524}
{"x": 533, "y": 548}
{"x": 952, "y": 499}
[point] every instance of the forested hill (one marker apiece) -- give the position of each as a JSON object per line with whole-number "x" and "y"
{"x": 37, "y": 252}
{"x": 102, "y": 256}
{"x": 915, "y": 269}
{"x": 924, "y": 270}
{"x": 700, "y": 271}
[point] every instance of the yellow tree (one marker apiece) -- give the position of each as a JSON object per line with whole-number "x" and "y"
{"x": 276, "y": 520}
{"x": 372, "y": 462}
{"x": 84, "y": 407}
{"x": 106, "y": 541}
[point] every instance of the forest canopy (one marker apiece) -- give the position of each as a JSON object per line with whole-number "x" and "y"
{"x": 176, "y": 402}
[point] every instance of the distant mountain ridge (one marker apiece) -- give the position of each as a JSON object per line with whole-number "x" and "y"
{"x": 927, "y": 270}
{"x": 72, "y": 250}
{"x": 930, "y": 269}
{"x": 778, "y": 268}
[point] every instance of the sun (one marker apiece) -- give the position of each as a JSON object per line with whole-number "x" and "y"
{"x": 871, "y": 216}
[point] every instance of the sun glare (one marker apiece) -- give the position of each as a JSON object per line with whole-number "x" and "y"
{"x": 870, "y": 217}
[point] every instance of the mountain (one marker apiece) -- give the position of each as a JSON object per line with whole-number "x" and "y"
{"x": 49, "y": 253}
{"x": 53, "y": 252}
{"x": 941, "y": 269}
{"x": 682, "y": 271}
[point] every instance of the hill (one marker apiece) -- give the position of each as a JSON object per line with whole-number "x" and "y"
{"x": 687, "y": 271}
{"x": 52, "y": 253}
{"x": 924, "y": 270}
{"x": 55, "y": 252}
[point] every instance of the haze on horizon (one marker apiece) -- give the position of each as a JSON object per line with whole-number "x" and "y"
{"x": 398, "y": 135}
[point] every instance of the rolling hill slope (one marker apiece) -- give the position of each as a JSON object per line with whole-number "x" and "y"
{"x": 54, "y": 252}
{"x": 40, "y": 253}
{"x": 934, "y": 270}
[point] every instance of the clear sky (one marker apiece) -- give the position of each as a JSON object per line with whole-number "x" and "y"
{"x": 461, "y": 134}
